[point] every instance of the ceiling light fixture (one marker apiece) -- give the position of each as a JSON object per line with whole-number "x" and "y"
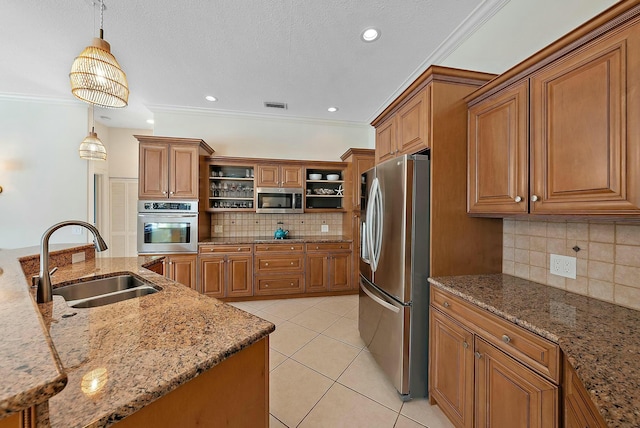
{"x": 370, "y": 35}
{"x": 91, "y": 147}
{"x": 210, "y": 98}
{"x": 96, "y": 76}
{"x": 332, "y": 109}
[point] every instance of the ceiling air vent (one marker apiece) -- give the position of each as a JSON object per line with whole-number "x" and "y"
{"x": 272, "y": 104}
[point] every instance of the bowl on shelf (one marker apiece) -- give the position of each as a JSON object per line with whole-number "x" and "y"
{"x": 333, "y": 177}
{"x": 315, "y": 176}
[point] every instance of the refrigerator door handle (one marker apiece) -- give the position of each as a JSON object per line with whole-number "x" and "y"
{"x": 378, "y": 300}
{"x": 379, "y": 223}
{"x": 371, "y": 219}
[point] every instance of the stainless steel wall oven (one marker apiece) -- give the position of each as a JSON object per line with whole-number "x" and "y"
{"x": 167, "y": 227}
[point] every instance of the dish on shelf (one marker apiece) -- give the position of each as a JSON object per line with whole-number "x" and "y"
{"x": 322, "y": 191}
{"x": 333, "y": 177}
{"x": 315, "y": 176}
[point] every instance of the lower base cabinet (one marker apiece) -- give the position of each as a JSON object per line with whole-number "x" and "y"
{"x": 233, "y": 393}
{"x": 579, "y": 410}
{"x": 328, "y": 267}
{"x": 477, "y": 384}
{"x": 181, "y": 268}
{"x": 226, "y": 271}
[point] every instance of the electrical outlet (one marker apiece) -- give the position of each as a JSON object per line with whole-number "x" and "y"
{"x": 563, "y": 266}
{"x": 76, "y": 230}
{"x": 324, "y": 228}
{"x": 77, "y": 257}
{"x": 217, "y": 228}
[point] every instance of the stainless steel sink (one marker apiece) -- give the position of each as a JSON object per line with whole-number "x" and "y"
{"x": 103, "y": 291}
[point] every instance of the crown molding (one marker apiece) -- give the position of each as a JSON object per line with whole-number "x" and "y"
{"x": 42, "y": 99}
{"x": 476, "y": 19}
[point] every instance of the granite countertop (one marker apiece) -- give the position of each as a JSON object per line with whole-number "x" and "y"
{"x": 599, "y": 339}
{"x": 270, "y": 239}
{"x": 141, "y": 348}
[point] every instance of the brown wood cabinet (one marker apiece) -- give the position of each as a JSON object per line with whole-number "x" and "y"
{"x": 579, "y": 410}
{"x": 226, "y": 270}
{"x": 279, "y": 269}
{"x": 499, "y": 152}
{"x": 407, "y": 130}
{"x": 514, "y": 379}
{"x": 583, "y": 140}
{"x": 451, "y": 369}
{"x": 169, "y": 167}
{"x": 437, "y": 98}
{"x": 181, "y": 268}
{"x": 287, "y": 176}
{"x": 328, "y": 267}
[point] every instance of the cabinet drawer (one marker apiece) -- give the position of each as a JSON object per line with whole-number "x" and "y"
{"x": 278, "y": 284}
{"x": 224, "y": 249}
{"x": 272, "y": 264}
{"x": 538, "y": 353}
{"x": 328, "y": 246}
{"x": 279, "y": 247}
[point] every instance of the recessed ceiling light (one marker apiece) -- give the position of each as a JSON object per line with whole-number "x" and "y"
{"x": 370, "y": 35}
{"x": 151, "y": 121}
{"x": 332, "y": 109}
{"x": 210, "y": 98}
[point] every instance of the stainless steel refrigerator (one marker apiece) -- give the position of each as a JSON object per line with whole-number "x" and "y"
{"x": 394, "y": 266}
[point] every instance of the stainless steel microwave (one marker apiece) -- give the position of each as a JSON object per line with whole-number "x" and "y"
{"x": 278, "y": 200}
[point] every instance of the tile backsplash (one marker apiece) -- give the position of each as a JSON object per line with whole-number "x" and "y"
{"x": 608, "y": 262}
{"x": 252, "y": 224}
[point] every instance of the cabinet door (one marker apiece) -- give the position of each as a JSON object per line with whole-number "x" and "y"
{"x": 239, "y": 276}
{"x": 413, "y": 123}
{"x": 498, "y": 153}
{"x": 290, "y": 176}
{"x": 340, "y": 271}
{"x": 267, "y": 176}
{"x": 183, "y": 270}
{"x": 451, "y": 369}
{"x": 360, "y": 165}
{"x": 153, "y": 171}
{"x": 183, "y": 172}
{"x": 508, "y": 394}
{"x": 212, "y": 275}
{"x": 584, "y": 157}
{"x": 386, "y": 140}
{"x": 317, "y": 277}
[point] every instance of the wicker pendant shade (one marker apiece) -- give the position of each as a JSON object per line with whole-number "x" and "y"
{"x": 92, "y": 148}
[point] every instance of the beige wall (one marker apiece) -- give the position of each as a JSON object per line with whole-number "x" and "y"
{"x": 608, "y": 263}
{"x": 264, "y": 225}
{"x": 123, "y": 152}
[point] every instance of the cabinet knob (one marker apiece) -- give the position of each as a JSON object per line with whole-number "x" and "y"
{"x": 534, "y": 198}
{"x": 292, "y": 263}
{"x": 465, "y": 345}
{"x": 518, "y": 199}
{"x": 171, "y": 193}
{"x": 477, "y": 354}
{"x": 164, "y": 192}
{"x": 266, "y": 264}
{"x": 292, "y": 248}
{"x": 445, "y": 304}
{"x": 291, "y": 284}
{"x": 266, "y": 285}
{"x": 317, "y": 248}
{"x": 239, "y": 249}
{"x": 266, "y": 248}
{"x": 505, "y": 338}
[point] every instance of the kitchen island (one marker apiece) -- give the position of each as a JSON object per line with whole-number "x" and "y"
{"x": 118, "y": 359}
{"x": 598, "y": 339}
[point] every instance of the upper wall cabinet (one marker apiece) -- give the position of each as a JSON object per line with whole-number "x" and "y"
{"x": 288, "y": 176}
{"x": 407, "y": 130}
{"x": 579, "y": 102}
{"x": 169, "y": 167}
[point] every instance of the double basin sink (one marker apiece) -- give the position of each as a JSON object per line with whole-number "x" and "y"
{"x": 104, "y": 291}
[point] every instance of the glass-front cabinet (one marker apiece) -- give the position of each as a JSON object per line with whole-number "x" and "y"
{"x": 231, "y": 187}
{"x": 324, "y": 189}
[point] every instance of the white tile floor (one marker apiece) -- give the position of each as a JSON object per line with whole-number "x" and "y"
{"x": 321, "y": 374}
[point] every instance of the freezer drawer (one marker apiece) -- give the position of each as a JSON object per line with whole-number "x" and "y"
{"x": 384, "y": 327}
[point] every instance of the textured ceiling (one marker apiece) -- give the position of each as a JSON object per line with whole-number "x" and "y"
{"x": 306, "y": 53}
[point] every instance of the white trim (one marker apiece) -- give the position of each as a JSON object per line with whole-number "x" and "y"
{"x": 476, "y": 19}
{"x": 43, "y": 99}
{"x": 199, "y": 111}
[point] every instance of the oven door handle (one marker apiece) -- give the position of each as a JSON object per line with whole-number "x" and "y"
{"x": 160, "y": 216}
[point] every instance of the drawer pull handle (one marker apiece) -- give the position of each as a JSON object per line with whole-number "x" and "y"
{"x": 266, "y": 285}
{"x": 505, "y": 338}
{"x": 292, "y": 248}
{"x": 478, "y": 355}
{"x": 465, "y": 345}
{"x": 239, "y": 249}
{"x": 317, "y": 248}
{"x": 266, "y": 248}
{"x": 292, "y": 263}
{"x": 445, "y": 304}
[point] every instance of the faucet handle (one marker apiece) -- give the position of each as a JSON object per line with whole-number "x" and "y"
{"x": 35, "y": 278}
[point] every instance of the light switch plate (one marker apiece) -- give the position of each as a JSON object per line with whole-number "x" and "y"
{"x": 76, "y": 230}
{"x": 324, "y": 228}
{"x": 563, "y": 266}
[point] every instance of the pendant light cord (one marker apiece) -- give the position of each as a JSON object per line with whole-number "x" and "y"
{"x": 101, "y": 18}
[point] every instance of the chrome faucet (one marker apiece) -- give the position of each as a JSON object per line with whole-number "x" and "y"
{"x": 45, "y": 290}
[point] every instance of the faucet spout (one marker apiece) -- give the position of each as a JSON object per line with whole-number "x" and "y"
{"x": 45, "y": 290}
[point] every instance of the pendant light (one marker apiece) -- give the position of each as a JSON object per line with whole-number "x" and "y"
{"x": 96, "y": 76}
{"x": 91, "y": 147}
